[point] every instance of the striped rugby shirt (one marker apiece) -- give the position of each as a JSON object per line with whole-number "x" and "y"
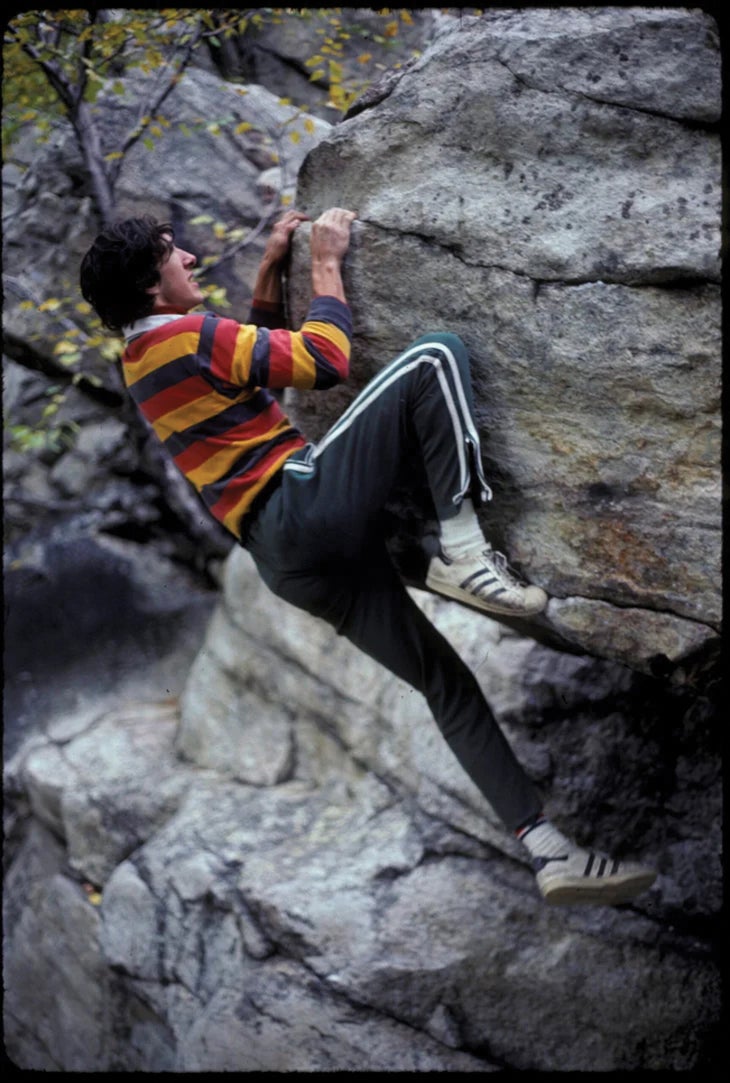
{"x": 204, "y": 384}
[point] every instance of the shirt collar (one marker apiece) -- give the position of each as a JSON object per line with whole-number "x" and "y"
{"x": 149, "y": 323}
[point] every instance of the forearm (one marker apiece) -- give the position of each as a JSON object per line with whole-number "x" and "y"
{"x": 329, "y": 242}
{"x": 327, "y": 278}
{"x": 267, "y": 286}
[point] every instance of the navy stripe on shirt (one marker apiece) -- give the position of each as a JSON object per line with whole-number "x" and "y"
{"x": 238, "y": 413}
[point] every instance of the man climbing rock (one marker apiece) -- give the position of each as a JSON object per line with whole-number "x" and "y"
{"x": 309, "y": 513}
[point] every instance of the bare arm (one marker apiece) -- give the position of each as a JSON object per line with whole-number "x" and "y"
{"x": 267, "y": 287}
{"x": 329, "y": 242}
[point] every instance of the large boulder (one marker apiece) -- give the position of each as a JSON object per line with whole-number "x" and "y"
{"x": 287, "y": 871}
{"x": 548, "y": 187}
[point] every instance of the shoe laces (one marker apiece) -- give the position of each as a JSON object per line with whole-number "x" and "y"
{"x": 499, "y": 562}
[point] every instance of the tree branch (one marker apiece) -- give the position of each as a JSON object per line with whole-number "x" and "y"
{"x": 153, "y": 106}
{"x": 18, "y": 350}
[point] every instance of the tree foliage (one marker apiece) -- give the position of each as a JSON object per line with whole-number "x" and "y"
{"x": 56, "y": 63}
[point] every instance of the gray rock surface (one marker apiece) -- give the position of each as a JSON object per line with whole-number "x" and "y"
{"x": 565, "y": 222}
{"x": 285, "y": 870}
{"x": 345, "y": 900}
{"x": 91, "y": 618}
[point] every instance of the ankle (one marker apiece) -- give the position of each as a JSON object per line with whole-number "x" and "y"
{"x": 462, "y": 532}
{"x": 543, "y": 839}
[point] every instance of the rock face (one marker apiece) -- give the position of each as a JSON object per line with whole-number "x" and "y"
{"x": 98, "y": 460}
{"x": 286, "y": 871}
{"x": 545, "y": 193}
{"x": 296, "y": 876}
{"x": 96, "y": 484}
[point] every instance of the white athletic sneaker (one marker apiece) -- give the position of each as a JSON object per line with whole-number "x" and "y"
{"x": 482, "y": 579}
{"x": 582, "y": 876}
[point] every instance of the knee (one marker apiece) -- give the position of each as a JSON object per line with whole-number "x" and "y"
{"x": 326, "y": 597}
{"x": 448, "y": 340}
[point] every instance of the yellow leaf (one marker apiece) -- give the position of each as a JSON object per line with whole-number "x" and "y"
{"x": 63, "y": 347}
{"x": 309, "y": 125}
{"x": 364, "y": 58}
{"x": 295, "y": 137}
{"x": 92, "y": 894}
{"x": 244, "y": 126}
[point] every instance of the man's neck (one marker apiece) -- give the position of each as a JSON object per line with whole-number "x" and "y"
{"x": 169, "y": 310}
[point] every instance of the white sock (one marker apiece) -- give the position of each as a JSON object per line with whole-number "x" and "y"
{"x": 462, "y": 532}
{"x": 544, "y": 840}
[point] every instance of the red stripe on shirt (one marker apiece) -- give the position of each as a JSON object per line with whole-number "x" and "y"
{"x": 256, "y": 429}
{"x": 281, "y": 361}
{"x": 224, "y": 349}
{"x": 238, "y": 487}
{"x": 172, "y": 398}
{"x": 330, "y": 352}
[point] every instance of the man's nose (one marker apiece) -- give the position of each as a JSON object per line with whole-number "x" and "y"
{"x": 189, "y": 259}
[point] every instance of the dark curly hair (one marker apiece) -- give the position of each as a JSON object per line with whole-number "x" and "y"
{"x": 120, "y": 267}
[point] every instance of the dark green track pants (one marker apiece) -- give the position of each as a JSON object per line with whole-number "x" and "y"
{"x": 317, "y": 544}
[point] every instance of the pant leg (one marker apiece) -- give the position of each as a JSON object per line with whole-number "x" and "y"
{"x": 368, "y": 604}
{"x": 418, "y": 405}
{"x": 317, "y": 546}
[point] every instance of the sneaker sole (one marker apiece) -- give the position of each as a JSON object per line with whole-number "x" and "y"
{"x": 469, "y": 600}
{"x": 613, "y": 892}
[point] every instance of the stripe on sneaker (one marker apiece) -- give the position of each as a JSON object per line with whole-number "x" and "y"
{"x": 589, "y": 865}
{"x": 479, "y": 574}
{"x": 476, "y": 584}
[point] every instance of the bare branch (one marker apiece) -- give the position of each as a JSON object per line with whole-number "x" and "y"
{"x": 152, "y": 107}
{"x": 264, "y": 221}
